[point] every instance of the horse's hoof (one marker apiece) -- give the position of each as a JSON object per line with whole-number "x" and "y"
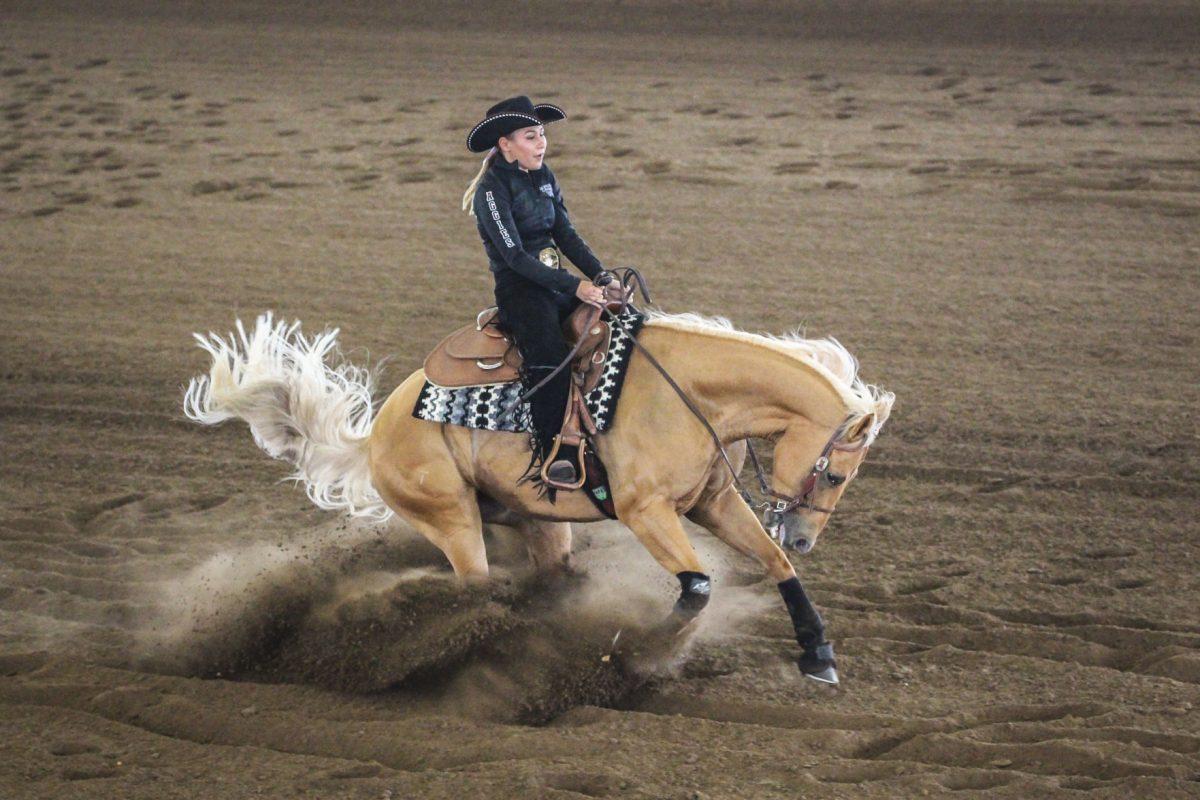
{"x": 828, "y": 675}
{"x": 817, "y": 663}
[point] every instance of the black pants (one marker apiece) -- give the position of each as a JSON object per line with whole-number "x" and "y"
{"x": 533, "y": 315}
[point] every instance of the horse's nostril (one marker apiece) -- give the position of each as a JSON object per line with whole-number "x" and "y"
{"x": 802, "y": 545}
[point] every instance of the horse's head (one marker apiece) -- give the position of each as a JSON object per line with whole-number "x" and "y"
{"x": 816, "y": 488}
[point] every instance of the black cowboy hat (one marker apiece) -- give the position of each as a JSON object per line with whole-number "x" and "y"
{"x": 506, "y": 117}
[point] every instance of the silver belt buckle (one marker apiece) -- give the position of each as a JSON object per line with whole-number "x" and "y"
{"x": 549, "y": 257}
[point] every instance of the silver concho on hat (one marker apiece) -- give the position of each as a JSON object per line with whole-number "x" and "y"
{"x": 549, "y": 257}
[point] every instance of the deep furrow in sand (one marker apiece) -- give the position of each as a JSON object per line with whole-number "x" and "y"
{"x": 1071, "y": 621}
{"x": 178, "y": 717}
{"x": 1170, "y": 661}
{"x": 1085, "y": 627}
{"x": 88, "y": 719}
{"x": 941, "y": 744}
{"x": 415, "y": 744}
{"x": 1002, "y": 733}
{"x": 1055, "y": 757}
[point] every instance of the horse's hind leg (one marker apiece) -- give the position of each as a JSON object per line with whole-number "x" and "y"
{"x": 548, "y": 544}
{"x": 422, "y": 484}
{"x": 457, "y": 531}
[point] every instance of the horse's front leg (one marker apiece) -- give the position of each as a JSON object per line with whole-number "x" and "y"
{"x": 657, "y": 526}
{"x": 726, "y": 514}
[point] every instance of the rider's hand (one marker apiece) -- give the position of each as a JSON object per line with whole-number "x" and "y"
{"x": 591, "y": 294}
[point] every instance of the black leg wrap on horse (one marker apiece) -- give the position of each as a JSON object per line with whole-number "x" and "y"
{"x": 696, "y": 588}
{"x": 809, "y": 627}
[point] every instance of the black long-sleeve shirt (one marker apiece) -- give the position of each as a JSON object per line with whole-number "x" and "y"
{"x": 518, "y": 213}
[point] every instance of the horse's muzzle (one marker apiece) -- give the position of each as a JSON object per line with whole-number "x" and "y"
{"x": 789, "y": 540}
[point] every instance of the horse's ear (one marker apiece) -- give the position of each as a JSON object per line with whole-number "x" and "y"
{"x": 861, "y": 428}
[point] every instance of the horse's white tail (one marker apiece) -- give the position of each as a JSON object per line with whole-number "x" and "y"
{"x": 315, "y": 415}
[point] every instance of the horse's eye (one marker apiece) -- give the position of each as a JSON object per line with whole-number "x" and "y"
{"x": 835, "y": 480}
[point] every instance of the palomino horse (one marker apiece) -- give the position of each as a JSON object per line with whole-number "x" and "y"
{"x": 803, "y": 395}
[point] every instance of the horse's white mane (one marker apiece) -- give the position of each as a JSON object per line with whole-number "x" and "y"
{"x": 827, "y": 356}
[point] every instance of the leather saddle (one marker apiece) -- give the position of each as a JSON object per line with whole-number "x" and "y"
{"x": 483, "y": 354}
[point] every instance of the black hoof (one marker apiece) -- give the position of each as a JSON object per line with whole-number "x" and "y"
{"x": 817, "y": 663}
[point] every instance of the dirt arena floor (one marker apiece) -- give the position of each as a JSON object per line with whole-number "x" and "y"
{"x": 994, "y": 205}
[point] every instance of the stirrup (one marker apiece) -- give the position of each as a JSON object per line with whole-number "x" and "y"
{"x": 578, "y": 476}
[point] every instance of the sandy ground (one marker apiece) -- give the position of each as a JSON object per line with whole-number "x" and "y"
{"x": 993, "y": 205}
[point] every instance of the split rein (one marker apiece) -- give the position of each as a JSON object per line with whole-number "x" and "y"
{"x": 629, "y": 278}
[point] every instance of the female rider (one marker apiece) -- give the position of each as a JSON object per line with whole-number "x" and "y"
{"x": 518, "y": 208}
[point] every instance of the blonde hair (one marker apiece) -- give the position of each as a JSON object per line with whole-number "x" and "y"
{"x": 468, "y": 201}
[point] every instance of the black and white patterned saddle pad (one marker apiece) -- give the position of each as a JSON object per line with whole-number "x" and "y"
{"x": 483, "y": 406}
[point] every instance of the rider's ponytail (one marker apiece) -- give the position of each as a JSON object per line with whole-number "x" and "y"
{"x": 468, "y": 203}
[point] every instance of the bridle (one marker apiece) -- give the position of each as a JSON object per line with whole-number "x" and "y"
{"x": 803, "y": 498}
{"x": 772, "y": 512}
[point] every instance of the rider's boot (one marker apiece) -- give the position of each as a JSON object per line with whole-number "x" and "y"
{"x": 565, "y": 470}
